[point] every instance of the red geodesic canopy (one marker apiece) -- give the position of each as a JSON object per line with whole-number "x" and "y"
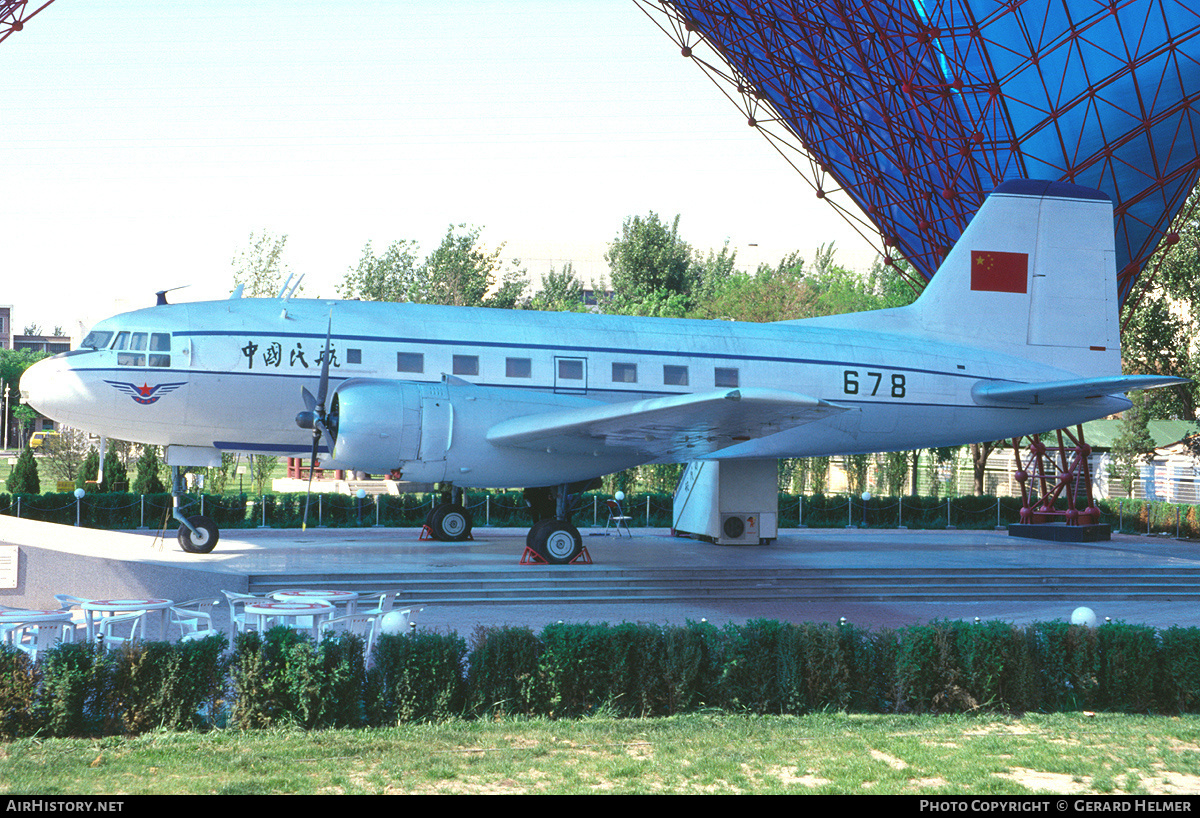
{"x": 917, "y": 109}
{"x": 15, "y": 13}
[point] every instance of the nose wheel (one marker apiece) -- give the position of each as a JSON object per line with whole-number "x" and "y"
{"x": 201, "y": 537}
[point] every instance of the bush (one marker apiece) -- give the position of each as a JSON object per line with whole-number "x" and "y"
{"x": 416, "y": 677}
{"x": 19, "y": 680}
{"x": 502, "y": 676}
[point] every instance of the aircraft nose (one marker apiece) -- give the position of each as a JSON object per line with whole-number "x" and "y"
{"x": 43, "y": 387}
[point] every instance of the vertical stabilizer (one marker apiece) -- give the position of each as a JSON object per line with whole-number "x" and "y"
{"x": 1034, "y": 275}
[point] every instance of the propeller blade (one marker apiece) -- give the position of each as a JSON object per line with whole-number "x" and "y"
{"x": 313, "y": 416}
{"x": 312, "y": 464}
{"x": 323, "y": 390}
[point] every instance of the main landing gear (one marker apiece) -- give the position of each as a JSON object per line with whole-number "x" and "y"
{"x": 553, "y": 538}
{"x": 449, "y": 521}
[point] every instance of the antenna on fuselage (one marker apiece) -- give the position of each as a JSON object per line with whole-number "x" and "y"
{"x": 285, "y": 292}
{"x": 162, "y": 295}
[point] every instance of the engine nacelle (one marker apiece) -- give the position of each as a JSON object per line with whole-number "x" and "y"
{"x": 377, "y": 424}
{"x": 437, "y": 432}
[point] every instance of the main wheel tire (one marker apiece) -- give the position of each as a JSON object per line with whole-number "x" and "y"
{"x": 203, "y": 540}
{"x": 556, "y": 542}
{"x": 450, "y": 522}
{"x": 534, "y": 536}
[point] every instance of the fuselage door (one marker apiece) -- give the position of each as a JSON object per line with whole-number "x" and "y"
{"x": 570, "y": 376}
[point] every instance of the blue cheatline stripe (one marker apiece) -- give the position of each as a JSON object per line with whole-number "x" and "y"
{"x": 660, "y": 353}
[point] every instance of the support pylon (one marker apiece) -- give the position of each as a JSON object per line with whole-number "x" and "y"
{"x": 1050, "y": 472}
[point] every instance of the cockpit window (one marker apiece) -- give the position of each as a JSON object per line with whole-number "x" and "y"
{"x": 97, "y": 339}
{"x": 160, "y": 346}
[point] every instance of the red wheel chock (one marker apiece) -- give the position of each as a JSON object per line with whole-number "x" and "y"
{"x": 531, "y": 557}
{"x": 426, "y": 534}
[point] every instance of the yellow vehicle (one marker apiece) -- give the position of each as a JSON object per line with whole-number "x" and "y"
{"x": 39, "y": 439}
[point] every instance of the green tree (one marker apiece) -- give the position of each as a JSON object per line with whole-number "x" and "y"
{"x": 561, "y": 291}
{"x": 149, "y": 472}
{"x": 463, "y": 273}
{"x": 90, "y": 469}
{"x": 23, "y": 479}
{"x": 649, "y": 265}
{"x": 1162, "y": 319}
{"x": 116, "y": 478}
{"x": 13, "y": 363}
{"x": 1133, "y": 445}
{"x": 260, "y": 268}
{"x": 394, "y": 275}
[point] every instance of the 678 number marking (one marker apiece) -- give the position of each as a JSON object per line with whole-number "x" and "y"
{"x": 870, "y": 384}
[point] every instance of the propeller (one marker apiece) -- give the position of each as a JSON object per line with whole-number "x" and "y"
{"x": 314, "y": 417}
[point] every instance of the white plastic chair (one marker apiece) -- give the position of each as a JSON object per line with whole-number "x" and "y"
{"x": 237, "y": 616}
{"x": 194, "y": 618}
{"x": 376, "y": 602}
{"x": 120, "y": 628}
{"x": 364, "y": 625}
{"x": 36, "y": 637}
{"x": 73, "y": 604}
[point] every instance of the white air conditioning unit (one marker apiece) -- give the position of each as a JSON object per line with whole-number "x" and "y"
{"x": 729, "y": 503}
{"x": 739, "y": 528}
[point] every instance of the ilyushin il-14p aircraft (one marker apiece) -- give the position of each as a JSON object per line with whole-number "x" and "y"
{"x": 1016, "y": 334}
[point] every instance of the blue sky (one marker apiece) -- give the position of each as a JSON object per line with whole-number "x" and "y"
{"x": 143, "y": 142}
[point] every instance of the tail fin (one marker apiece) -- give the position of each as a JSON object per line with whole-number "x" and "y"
{"x": 1034, "y": 275}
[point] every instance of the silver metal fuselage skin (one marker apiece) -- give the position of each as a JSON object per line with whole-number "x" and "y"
{"x": 236, "y": 370}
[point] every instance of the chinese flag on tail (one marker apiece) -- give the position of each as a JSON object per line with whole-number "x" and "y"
{"x": 999, "y": 272}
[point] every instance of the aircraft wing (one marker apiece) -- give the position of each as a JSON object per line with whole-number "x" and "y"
{"x": 668, "y": 429}
{"x": 1007, "y": 393}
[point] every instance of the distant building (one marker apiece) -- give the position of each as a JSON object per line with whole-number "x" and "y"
{"x": 52, "y": 344}
{"x": 6, "y": 327}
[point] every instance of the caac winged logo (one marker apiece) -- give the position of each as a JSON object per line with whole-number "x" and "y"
{"x": 145, "y": 394}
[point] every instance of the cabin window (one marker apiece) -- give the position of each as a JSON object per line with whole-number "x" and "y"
{"x": 726, "y": 377}
{"x": 518, "y": 367}
{"x": 570, "y": 369}
{"x": 624, "y": 373}
{"x": 466, "y": 364}
{"x": 410, "y": 362}
{"x": 354, "y": 356}
{"x": 675, "y": 375}
{"x": 122, "y": 341}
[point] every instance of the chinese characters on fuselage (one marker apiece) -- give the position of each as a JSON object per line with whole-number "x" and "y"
{"x": 272, "y": 355}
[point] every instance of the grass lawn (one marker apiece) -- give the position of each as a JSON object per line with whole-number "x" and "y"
{"x": 1061, "y": 754}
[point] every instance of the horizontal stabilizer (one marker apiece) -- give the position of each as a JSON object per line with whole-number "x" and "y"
{"x": 1006, "y": 393}
{"x": 671, "y": 429}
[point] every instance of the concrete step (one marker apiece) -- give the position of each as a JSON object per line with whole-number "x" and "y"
{"x": 586, "y": 583}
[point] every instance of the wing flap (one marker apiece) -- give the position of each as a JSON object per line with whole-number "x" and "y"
{"x": 665, "y": 429}
{"x": 1006, "y": 393}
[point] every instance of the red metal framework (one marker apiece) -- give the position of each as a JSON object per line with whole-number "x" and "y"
{"x": 14, "y": 14}
{"x": 906, "y": 113}
{"x": 1052, "y": 472}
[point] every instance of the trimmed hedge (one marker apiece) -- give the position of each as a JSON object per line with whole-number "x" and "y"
{"x": 575, "y": 670}
{"x": 128, "y": 511}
